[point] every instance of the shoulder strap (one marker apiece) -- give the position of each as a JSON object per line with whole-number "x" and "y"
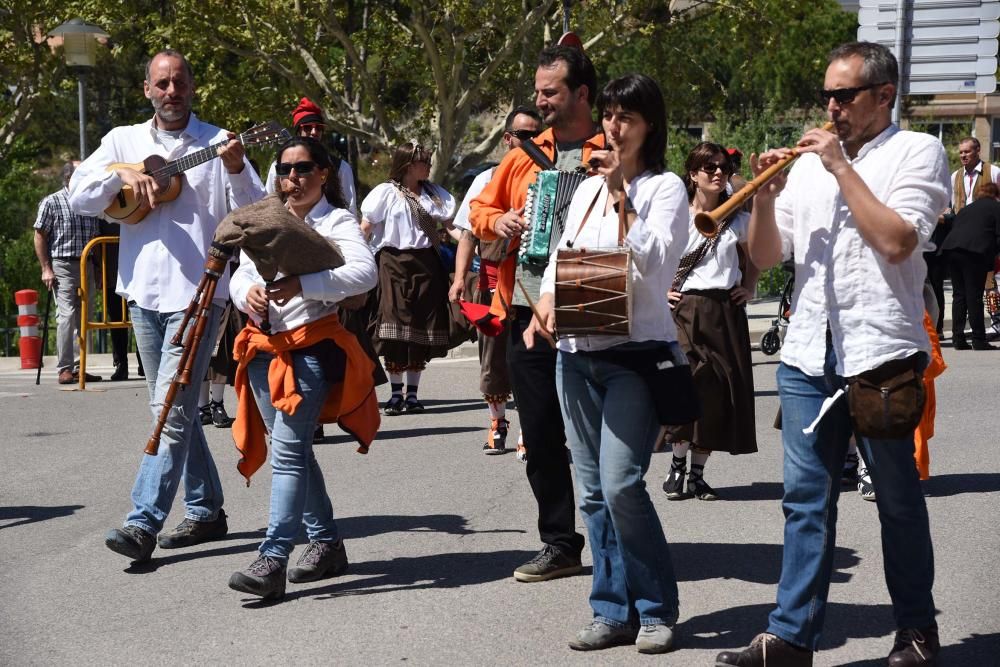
{"x": 537, "y": 156}
{"x": 691, "y": 259}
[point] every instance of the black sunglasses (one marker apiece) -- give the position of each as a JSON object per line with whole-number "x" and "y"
{"x": 525, "y": 135}
{"x": 712, "y": 167}
{"x": 301, "y": 168}
{"x": 846, "y": 95}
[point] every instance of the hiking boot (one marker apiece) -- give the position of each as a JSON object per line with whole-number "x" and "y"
{"x": 265, "y": 577}
{"x": 496, "y": 442}
{"x": 849, "y": 474}
{"x": 865, "y": 486}
{"x": 600, "y": 635}
{"x": 132, "y": 542}
{"x": 673, "y": 485}
{"x": 915, "y": 647}
{"x": 394, "y": 406}
{"x": 190, "y": 532}
{"x": 699, "y": 488}
{"x": 549, "y": 563}
{"x": 767, "y": 650}
{"x": 654, "y": 639}
{"x": 320, "y": 560}
{"x": 219, "y": 417}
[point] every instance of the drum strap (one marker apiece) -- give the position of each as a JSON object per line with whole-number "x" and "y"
{"x": 622, "y": 220}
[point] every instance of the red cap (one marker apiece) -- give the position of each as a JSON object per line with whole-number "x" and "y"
{"x": 307, "y": 112}
{"x": 734, "y": 152}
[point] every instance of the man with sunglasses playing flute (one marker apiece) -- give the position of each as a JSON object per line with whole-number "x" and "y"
{"x": 160, "y": 263}
{"x": 854, "y": 212}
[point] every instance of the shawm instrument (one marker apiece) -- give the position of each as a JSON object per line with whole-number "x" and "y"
{"x": 126, "y": 208}
{"x": 708, "y": 223}
{"x": 276, "y": 242}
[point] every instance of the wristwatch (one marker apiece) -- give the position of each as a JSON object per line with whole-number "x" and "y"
{"x": 628, "y": 205}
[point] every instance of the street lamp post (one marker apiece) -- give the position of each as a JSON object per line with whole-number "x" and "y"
{"x": 80, "y": 50}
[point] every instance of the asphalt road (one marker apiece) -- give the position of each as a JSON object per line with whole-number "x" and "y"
{"x": 433, "y": 530}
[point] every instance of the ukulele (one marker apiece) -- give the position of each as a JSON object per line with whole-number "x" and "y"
{"x": 125, "y": 208}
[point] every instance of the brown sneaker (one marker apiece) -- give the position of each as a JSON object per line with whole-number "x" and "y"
{"x": 915, "y": 647}
{"x": 66, "y": 377}
{"x": 190, "y": 532}
{"x": 767, "y": 650}
{"x": 319, "y": 561}
{"x": 265, "y": 577}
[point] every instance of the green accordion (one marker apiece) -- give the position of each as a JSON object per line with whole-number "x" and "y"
{"x": 545, "y": 209}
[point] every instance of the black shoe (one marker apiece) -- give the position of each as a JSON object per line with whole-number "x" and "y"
{"x": 265, "y": 577}
{"x": 120, "y": 374}
{"x": 320, "y": 560}
{"x": 394, "y": 406}
{"x": 699, "y": 488}
{"x": 960, "y": 344}
{"x": 778, "y": 652}
{"x": 673, "y": 485}
{"x": 318, "y": 435}
{"x": 219, "y": 417}
{"x": 190, "y": 532}
{"x": 849, "y": 474}
{"x": 983, "y": 346}
{"x": 87, "y": 376}
{"x": 413, "y": 405}
{"x": 915, "y": 647}
{"x": 205, "y": 414}
{"x": 549, "y": 563}
{"x": 131, "y": 541}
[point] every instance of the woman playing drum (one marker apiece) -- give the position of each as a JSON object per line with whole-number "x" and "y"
{"x": 301, "y": 308}
{"x": 707, "y": 298}
{"x": 608, "y": 408}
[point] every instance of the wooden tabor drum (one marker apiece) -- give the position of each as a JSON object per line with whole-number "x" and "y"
{"x": 593, "y": 292}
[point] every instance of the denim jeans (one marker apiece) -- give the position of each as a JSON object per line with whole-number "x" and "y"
{"x": 183, "y": 450}
{"x": 611, "y": 428}
{"x": 812, "y": 471}
{"x": 298, "y": 493}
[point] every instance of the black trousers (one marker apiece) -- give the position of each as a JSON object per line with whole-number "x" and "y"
{"x": 937, "y": 271}
{"x": 533, "y": 380}
{"x": 968, "y": 281}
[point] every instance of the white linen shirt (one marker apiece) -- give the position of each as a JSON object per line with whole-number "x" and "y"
{"x": 162, "y": 258}
{"x": 657, "y": 238}
{"x": 479, "y": 184}
{"x": 386, "y": 210}
{"x": 969, "y": 190}
{"x": 719, "y": 269}
{"x": 344, "y": 174}
{"x": 321, "y": 291}
{"x": 875, "y": 309}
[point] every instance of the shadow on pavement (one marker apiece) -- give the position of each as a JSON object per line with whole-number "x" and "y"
{"x": 429, "y": 431}
{"x": 25, "y": 514}
{"x": 755, "y": 491}
{"x": 447, "y": 570}
{"x": 356, "y": 527}
{"x": 965, "y": 482}
{"x": 734, "y": 628}
{"x": 755, "y": 563}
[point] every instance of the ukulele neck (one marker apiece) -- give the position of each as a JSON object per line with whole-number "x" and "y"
{"x": 192, "y": 160}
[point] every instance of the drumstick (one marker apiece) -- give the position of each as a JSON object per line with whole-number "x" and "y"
{"x": 534, "y": 310}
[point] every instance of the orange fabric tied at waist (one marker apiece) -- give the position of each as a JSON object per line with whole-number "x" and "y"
{"x": 352, "y": 403}
{"x": 488, "y": 275}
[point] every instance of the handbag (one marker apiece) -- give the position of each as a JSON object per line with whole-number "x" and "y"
{"x": 887, "y": 402}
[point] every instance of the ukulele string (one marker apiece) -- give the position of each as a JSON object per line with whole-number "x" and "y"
{"x": 186, "y": 162}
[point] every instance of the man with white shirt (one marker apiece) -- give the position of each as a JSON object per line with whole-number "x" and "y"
{"x": 522, "y": 124}
{"x": 973, "y": 173}
{"x": 160, "y": 263}
{"x": 856, "y": 207}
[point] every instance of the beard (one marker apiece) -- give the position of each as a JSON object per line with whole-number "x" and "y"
{"x": 171, "y": 115}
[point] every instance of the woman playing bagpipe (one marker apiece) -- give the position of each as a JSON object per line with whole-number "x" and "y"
{"x": 411, "y": 322}
{"x": 707, "y": 297}
{"x": 308, "y": 368}
{"x": 607, "y": 400}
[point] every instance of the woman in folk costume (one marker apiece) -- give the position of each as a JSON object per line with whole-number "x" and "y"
{"x": 707, "y": 298}
{"x": 309, "y": 368}
{"x": 411, "y": 323}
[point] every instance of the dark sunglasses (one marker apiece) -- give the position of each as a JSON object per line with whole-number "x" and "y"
{"x": 846, "y": 95}
{"x": 301, "y": 168}
{"x": 712, "y": 167}
{"x": 525, "y": 135}
{"x": 307, "y": 128}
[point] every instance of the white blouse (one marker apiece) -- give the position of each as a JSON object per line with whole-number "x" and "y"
{"x": 720, "y": 269}
{"x": 321, "y": 291}
{"x": 657, "y": 237}
{"x": 385, "y": 208}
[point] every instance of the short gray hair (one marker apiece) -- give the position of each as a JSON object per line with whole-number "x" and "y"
{"x": 173, "y": 54}
{"x": 879, "y": 66}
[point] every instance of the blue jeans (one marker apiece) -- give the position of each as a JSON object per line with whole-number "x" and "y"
{"x": 611, "y": 429}
{"x": 812, "y": 471}
{"x": 183, "y": 450}
{"x": 298, "y": 493}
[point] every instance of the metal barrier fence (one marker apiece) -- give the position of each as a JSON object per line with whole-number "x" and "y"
{"x": 100, "y": 243}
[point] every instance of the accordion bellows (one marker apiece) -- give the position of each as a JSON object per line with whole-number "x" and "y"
{"x": 275, "y": 240}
